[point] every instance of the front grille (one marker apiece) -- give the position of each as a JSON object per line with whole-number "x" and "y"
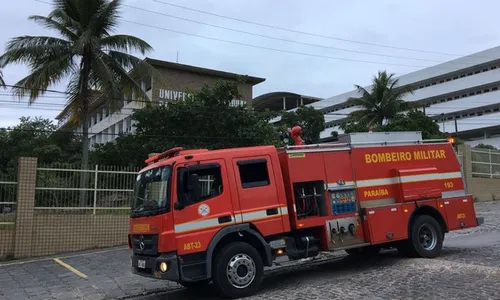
{"x": 149, "y": 244}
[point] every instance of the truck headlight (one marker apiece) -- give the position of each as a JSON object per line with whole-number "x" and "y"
{"x": 163, "y": 267}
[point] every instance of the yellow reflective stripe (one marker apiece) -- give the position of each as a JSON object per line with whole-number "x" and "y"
{"x": 236, "y": 219}
{"x": 404, "y": 179}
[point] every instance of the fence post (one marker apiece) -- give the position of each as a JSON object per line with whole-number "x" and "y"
{"x": 27, "y": 168}
{"x": 491, "y": 165}
{"x": 95, "y": 187}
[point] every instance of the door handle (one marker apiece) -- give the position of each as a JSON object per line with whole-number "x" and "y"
{"x": 225, "y": 219}
{"x": 272, "y": 211}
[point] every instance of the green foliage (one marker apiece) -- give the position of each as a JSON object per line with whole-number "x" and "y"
{"x": 485, "y": 146}
{"x": 311, "y": 120}
{"x": 37, "y": 137}
{"x": 384, "y": 102}
{"x": 204, "y": 120}
{"x": 413, "y": 120}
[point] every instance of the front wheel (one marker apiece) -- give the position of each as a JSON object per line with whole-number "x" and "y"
{"x": 425, "y": 238}
{"x": 238, "y": 270}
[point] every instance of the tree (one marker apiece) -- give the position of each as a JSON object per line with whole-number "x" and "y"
{"x": 413, "y": 120}
{"x": 2, "y": 81}
{"x": 37, "y": 137}
{"x": 205, "y": 119}
{"x": 382, "y": 104}
{"x": 87, "y": 53}
{"x": 485, "y": 146}
{"x": 311, "y": 120}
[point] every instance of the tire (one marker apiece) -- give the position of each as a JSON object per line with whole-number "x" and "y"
{"x": 425, "y": 238}
{"x": 244, "y": 277}
{"x": 363, "y": 251}
{"x": 195, "y": 284}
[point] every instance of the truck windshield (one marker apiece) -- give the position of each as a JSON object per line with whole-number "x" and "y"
{"x": 152, "y": 192}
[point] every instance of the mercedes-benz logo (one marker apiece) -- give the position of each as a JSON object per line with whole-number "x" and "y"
{"x": 141, "y": 243}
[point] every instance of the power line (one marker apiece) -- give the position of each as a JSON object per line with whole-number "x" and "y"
{"x": 277, "y": 38}
{"x": 275, "y": 49}
{"x": 270, "y": 48}
{"x": 303, "y": 32}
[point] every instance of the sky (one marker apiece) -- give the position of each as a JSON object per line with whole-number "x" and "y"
{"x": 453, "y": 28}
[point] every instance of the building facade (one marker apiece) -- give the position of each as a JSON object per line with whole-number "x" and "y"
{"x": 170, "y": 84}
{"x": 461, "y": 95}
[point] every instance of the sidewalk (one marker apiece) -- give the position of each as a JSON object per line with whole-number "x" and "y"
{"x": 90, "y": 275}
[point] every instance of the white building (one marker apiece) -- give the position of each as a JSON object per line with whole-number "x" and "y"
{"x": 461, "y": 95}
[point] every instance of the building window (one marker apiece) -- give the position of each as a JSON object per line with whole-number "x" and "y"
{"x": 494, "y": 89}
{"x": 253, "y": 173}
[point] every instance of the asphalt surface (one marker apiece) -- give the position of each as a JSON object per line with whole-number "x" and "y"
{"x": 469, "y": 267}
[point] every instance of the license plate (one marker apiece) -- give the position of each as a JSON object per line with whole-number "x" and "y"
{"x": 141, "y": 264}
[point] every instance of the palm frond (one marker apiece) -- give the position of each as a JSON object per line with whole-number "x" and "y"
{"x": 45, "y": 74}
{"x": 125, "y": 43}
{"x": 2, "y": 81}
{"x": 33, "y": 49}
{"x": 107, "y": 18}
{"x": 49, "y": 23}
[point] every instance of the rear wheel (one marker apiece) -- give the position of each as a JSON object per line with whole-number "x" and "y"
{"x": 238, "y": 270}
{"x": 425, "y": 238}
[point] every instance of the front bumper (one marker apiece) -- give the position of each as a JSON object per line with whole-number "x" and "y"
{"x": 480, "y": 220}
{"x": 152, "y": 266}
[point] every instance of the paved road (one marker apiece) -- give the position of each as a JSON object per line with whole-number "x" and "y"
{"x": 468, "y": 268}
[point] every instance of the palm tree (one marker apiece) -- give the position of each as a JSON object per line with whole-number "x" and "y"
{"x": 86, "y": 52}
{"x": 2, "y": 82}
{"x": 383, "y": 103}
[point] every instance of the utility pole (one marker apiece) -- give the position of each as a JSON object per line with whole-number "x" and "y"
{"x": 177, "y": 58}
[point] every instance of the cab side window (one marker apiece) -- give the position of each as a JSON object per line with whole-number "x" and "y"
{"x": 253, "y": 173}
{"x": 199, "y": 183}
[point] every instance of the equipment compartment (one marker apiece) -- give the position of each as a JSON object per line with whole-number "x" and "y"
{"x": 385, "y": 224}
{"x": 460, "y": 212}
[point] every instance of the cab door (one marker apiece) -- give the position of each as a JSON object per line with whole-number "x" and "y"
{"x": 202, "y": 208}
{"x": 257, "y": 194}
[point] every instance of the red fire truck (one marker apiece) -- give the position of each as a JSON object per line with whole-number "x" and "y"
{"x": 221, "y": 216}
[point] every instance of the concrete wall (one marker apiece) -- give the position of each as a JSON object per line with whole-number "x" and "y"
{"x": 64, "y": 233}
{"x": 483, "y": 189}
{"x": 6, "y": 243}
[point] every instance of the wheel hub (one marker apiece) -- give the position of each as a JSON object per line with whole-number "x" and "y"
{"x": 241, "y": 271}
{"x": 427, "y": 237}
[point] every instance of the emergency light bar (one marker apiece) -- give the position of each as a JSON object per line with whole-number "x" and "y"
{"x": 166, "y": 154}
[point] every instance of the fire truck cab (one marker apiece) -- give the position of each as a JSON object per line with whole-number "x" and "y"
{"x": 221, "y": 216}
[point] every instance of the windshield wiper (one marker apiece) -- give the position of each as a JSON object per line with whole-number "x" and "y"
{"x": 147, "y": 204}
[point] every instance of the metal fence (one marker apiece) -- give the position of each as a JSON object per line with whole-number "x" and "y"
{"x": 99, "y": 190}
{"x": 50, "y": 209}
{"x": 485, "y": 163}
{"x": 8, "y": 200}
